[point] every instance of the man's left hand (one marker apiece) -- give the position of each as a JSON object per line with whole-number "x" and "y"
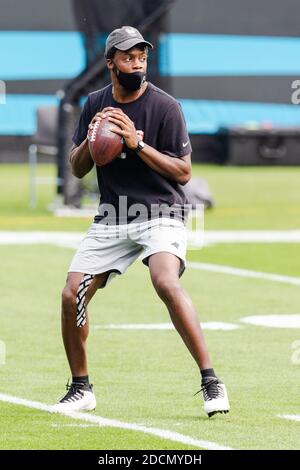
{"x": 126, "y": 127}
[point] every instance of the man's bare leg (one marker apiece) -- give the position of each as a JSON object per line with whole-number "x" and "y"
{"x": 77, "y": 293}
{"x": 164, "y": 269}
{"x": 75, "y": 337}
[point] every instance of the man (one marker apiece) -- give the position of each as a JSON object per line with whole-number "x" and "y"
{"x": 149, "y": 176}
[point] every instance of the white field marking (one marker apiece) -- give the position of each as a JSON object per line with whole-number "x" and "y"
{"x": 252, "y": 236}
{"x": 218, "y": 268}
{"x": 290, "y": 417}
{"x": 165, "y": 326}
{"x": 55, "y": 425}
{"x": 162, "y": 433}
{"x": 274, "y": 321}
{"x": 72, "y": 239}
{"x": 31, "y": 238}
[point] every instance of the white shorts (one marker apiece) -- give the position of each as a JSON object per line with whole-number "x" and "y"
{"x": 113, "y": 248}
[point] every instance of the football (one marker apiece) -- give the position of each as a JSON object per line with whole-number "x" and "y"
{"x": 104, "y": 145}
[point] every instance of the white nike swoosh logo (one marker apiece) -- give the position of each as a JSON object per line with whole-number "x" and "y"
{"x": 185, "y": 144}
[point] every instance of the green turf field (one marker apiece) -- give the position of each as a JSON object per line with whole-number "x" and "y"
{"x": 146, "y": 378}
{"x": 246, "y": 198}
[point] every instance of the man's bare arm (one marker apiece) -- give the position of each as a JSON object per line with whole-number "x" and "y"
{"x": 80, "y": 159}
{"x": 178, "y": 169}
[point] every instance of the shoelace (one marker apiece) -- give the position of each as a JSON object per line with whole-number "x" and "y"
{"x": 210, "y": 389}
{"x": 74, "y": 392}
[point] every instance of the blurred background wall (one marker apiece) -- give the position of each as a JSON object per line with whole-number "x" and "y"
{"x": 229, "y": 63}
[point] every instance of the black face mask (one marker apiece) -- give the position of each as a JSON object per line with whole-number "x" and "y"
{"x": 130, "y": 81}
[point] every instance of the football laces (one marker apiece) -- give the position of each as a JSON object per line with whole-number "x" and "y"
{"x": 93, "y": 133}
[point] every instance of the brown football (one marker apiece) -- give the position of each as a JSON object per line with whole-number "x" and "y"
{"x": 104, "y": 145}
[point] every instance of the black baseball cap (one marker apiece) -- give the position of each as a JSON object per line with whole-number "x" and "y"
{"x": 123, "y": 39}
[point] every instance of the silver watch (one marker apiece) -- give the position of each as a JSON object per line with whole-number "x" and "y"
{"x": 140, "y": 146}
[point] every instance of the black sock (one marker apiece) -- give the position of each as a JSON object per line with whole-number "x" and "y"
{"x": 84, "y": 379}
{"x": 205, "y": 373}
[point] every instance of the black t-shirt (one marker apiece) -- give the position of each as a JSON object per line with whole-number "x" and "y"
{"x": 160, "y": 119}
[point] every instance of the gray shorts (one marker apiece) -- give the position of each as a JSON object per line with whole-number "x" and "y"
{"x": 114, "y": 248}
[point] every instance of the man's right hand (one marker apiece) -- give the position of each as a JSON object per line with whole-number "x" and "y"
{"x": 101, "y": 115}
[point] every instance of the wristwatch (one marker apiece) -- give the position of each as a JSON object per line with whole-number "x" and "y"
{"x": 140, "y": 146}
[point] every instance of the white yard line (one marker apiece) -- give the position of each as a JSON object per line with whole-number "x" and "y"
{"x": 59, "y": 426}
{"x": 91, "y": 418}
{"x": 165, "y": 326}
{"x": 32, "y": 238}
{"x": 218, "y": 268}
{"x": 274, "y": 321}
{"x": 252, "y": 236}
{"x": 72, "y": 239}
{"x": 290, "y": 417}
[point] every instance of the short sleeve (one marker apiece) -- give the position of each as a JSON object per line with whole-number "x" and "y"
{"x": 173, "y": 137}
{"x": 82, "y": 126}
